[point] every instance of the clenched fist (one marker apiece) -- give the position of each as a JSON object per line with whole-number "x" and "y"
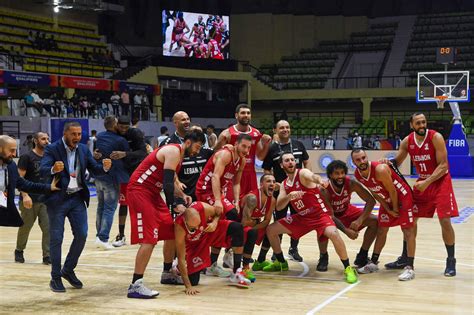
{"x": 107, "y": 164}
{"x": 58, "y": 167}
{"x": 266, "y": 138}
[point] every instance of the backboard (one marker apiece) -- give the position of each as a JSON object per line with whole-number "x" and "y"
{"x": 451, "y": 86}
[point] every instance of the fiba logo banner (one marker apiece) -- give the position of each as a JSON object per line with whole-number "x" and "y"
{"x": 350, "y": 164}
{"x": 325, "y": 159}
{"x": 457, "y": 144}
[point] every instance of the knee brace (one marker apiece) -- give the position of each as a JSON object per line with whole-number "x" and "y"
{"x": 236, "y": 232}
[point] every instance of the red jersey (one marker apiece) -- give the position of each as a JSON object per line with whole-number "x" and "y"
{"x": 179, "y": 26}
{"x": 149, "y": 174}
{"x": 340, "y": 201}
{"x": 197, "y": 235}
{"x": 377, "y": 188}
{"x": 423, "y": 155}
{"x": 204, "y": 184}
{"x": 256, "y": 136}
{"x": 200, "y": 51}
{"x": 311, "y": 203}
{"x": 214, "y": 50}
{"x": 261, "y": 209}
{"x": 197, "y": 32}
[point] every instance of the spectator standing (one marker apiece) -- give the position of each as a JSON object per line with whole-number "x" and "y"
{"x": 211, "y": 135}
{"x": 377, "y": 144}
{"x": 125, "y": 98}
{"x": 137, "y": 104}
{"x": 163, "y": 135}
{"x": 31, "y": 206}
{"x": 115, "y": 99}
{"x": 357, "y": 141}
{"x": 329, "y": 144}
{"x": 92, "y": 141}
{"x": 317, "y": 143}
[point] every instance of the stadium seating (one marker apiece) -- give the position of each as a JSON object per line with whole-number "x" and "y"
{"x": 440, "y": 30}
{"x": 306, "y": 126}
{"x": 74, "y": 40}
{"x": 311, "y": 68}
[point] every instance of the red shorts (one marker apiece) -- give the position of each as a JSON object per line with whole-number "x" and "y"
{"x": 209, "y": 198}
{"x": 301, "y": 225}
{"x": 405, "y": 218}
{"x": 350, "y": 215}
{"x": 439, "y": 197}
{"x": 123, "y": 194}
{"x": 150, "y": 218}
{"x": 198, "y": 252}
{"x": 260, "y": 234}
{"x": 248, "y": 182}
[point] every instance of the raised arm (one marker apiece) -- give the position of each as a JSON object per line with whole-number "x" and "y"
{"x": 222, "y": 140}
{"x": 262, "y": 147}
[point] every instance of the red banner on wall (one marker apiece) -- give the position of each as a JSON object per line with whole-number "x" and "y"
{"x": 85, "y": 83}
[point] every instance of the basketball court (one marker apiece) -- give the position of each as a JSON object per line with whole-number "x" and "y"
{"x": 302, "y": 290}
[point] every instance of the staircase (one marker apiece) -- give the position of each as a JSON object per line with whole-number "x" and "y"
{"x": 399, "y": 48}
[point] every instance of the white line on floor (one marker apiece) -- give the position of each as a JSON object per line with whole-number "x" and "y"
{"x": 305, "y": 269}
{"x": 331, "y": 299}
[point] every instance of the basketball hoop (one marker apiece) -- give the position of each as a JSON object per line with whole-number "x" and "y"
{"x": 440, "y": 101}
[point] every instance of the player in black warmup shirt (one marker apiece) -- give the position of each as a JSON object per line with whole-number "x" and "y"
{"x": 271, "y": 165}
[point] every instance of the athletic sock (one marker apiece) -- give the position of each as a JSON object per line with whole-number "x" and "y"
{"x": 345, "y": 262}
{"x": 363, "y": 252}
{"x": 136, "y": 277}
{"x": 245, "y": 261}
{"x": 322, "y": 255}
{"x": 214, "y": 257}
{"x": 450, "y": 250}
{"x": 262, "y": 255}
{"x": 280, "y": 257}
{"x": 404, "y": 252}
{"x": 375, "y": 258}
{"x": 122, "y": 229}
{"x": 167, "y": 266}
{"x": 294, "y": 243}
{"x": 237, "y": 261}
{"x": 410, "y": 261}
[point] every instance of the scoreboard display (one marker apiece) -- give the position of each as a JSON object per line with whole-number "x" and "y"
{"x": 445, "y": 55}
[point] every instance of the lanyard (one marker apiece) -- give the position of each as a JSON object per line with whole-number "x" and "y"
{"x": 291, "y": 147}
{"x": 179, "y": 138}
{"x": 6, "y": 178}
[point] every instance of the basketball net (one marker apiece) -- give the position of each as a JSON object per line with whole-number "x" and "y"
{"x": 440, "y": 101}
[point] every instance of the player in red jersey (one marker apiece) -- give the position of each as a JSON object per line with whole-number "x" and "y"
{"x": 150, "y": 216}
{"x": 198, "y": 228}
{"x": 260, "y": 145}
{"x": 396, "y": 207}
{"x": 222, "y": 174}
{"x": 433, "y": 189}
{"x": 213, "y": 49}
{"x": 300, "y": 188}
{"x": 256, "y": 213}
{"x": 178, "y": 33}
{"x": 348, "y": 218}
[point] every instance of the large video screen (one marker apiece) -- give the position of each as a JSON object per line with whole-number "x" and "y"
{"x": 195, "y": 35}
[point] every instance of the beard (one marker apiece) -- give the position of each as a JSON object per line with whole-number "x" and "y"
{"x": 6, "y": 160}
{"x": 337, "y": 184}
{"x": 244, "y": 122}
{"x": 420, "y": 131}
{"x": 363, "y": 166}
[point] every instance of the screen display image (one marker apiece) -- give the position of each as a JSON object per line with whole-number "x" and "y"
{"x": 195, "y": 35}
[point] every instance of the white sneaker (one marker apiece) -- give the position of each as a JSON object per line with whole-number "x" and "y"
{"x": 103, "y": 245}
{"x": 169, "y": 277}
{"x": 217, "y": 271}
{"x": 138, "y": 290}
{"x": 369, "y": 268}
{"x": 238, "y": 279}
{"x": 228, "y": 260}
{"x": 407, "y": 274}
{"x": 119, "y": 241}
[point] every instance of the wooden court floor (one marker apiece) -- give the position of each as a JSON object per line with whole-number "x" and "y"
{"x": 302, "y": 290}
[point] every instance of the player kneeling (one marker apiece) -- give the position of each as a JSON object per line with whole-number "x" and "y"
{"x": 255, "y": 206}
{"x": 301, "y": 189}
{"x": 196, "y": 230}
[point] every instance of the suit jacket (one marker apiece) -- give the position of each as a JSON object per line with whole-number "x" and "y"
{"x": 57, "y": 152}
{"x": 10, "y": 215}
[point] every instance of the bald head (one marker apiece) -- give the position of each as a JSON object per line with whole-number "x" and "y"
{"x": 182, "y": 122}
{"x": 192, "y": 219}
{"x": 283, "y": 130}
{"x": 7, "y": 149}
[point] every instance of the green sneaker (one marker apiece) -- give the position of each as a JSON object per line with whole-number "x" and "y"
{"x": 257, "y": 266}
{"x": 249, "y": 275}
{"x": 351, "y": 274}
{"x": 276, "y": 266}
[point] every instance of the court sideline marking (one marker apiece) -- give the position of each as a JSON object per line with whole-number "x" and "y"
{"x": 332, "y": 298}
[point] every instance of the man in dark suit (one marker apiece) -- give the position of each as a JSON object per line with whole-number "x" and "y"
{"x": 68, "y": 160}
{"x": 10, "y": 179}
